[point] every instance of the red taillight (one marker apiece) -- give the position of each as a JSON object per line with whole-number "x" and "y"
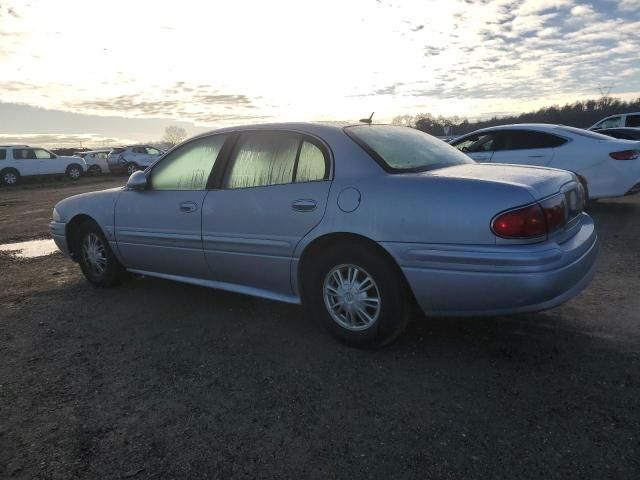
{"x": 521, "y": 223}
{"x": 625, "y": 155}
{"x": 532, "y": 221}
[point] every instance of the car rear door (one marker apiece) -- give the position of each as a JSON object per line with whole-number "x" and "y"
{"x": 159, "y": 229}
{"x": 273, "y": 191}
{"x": 25, "y": 161}
{"x": 525, "y": 147}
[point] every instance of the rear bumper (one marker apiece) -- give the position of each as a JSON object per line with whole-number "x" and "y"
{"x": 466, "y": 280}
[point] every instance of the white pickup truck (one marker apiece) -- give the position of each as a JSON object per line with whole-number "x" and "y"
{"x": 17, "y": 161}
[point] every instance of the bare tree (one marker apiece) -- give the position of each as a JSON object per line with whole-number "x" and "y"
{"x": 173, "y": 135}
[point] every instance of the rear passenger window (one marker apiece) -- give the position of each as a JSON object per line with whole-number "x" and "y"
{"x": 263, "y": 158}
{"x": 3, "y": 154}
{"x": 24, "y": 154}
{"x": 188, "y": 167}
{"x": 312, "y": 164}
{"x": 633, "y": 121}
{"x": 527, "y": 140}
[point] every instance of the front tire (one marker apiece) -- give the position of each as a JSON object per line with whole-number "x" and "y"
{"x": 97, "y": 261}
{"x": 74, "y": 172}
{"x": 132, "y": 167}
{"x": 10, "y": 176}
{"x": 359, "y": 295}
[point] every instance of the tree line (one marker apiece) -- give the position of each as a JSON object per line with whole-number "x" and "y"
{"x": 582, "y": 114}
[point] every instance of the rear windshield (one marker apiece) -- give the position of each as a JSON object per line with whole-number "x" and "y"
{"x": 404, "y": 149}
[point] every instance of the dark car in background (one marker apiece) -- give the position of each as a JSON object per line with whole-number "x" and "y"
{"x": 622, "y": 133}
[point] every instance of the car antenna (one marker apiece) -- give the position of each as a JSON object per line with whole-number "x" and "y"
{"x": 367, "y": 120}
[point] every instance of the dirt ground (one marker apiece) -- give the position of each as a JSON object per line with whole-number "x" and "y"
{"x": 162, "y": 380}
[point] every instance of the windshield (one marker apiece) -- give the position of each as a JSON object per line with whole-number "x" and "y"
{"x": 405, "y": 149}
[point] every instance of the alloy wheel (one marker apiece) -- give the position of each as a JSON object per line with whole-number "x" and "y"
{"x": 94, "y": 254}
{"x": 10, "y": 178}
{"x": 352, "y": 297}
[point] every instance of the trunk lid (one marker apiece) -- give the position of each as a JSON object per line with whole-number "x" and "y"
{"x": 540, "y": 182}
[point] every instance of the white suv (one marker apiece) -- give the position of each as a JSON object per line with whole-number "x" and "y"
{"x": 18, "y": 161}
{"x": 133, "y": 157}
{"x": 617, "y": 121}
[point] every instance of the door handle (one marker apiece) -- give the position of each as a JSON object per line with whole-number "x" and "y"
{"x": 536, "y": 156}
{"x": 304, "y": 205}
{"x": 188, "y": 207}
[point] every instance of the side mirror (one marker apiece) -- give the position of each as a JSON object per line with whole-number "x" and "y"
{"x": 137, "y": 181}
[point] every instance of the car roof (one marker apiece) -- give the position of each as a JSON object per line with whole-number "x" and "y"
{"x": 619, "y": 129}
{"x": 541, "y": 127}
{"x": 14, "y": 146}
{"x": 312, "y": 128}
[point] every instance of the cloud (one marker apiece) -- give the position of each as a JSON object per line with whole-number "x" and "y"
{"x": 454, "y": 57}
{"x": 53, "y": 140}
{"x": 629, "y": 5}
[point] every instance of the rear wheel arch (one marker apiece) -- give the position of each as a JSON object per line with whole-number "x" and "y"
{"x": 335, "y": 240}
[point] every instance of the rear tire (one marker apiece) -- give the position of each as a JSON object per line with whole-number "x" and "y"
{"x": 358, "y": 294}
{"x": 97, "y": 261}
{"x": 10, "y": 176}
{"x": 95, "y": 170}
{"x": 74, "y": 171}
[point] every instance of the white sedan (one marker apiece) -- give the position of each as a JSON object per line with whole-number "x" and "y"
{"x": 608, "y": 167}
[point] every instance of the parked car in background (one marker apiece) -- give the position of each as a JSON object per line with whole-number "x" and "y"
{"x": 608, "y": 167}
{"x": 354, "y": 222}
{"x": 133, "y": 157}
{"x": 622, "y": 133}
{"x": 17, "y": 161}
{"x": 97, "y": 161}
{"x": 616, "y": 121}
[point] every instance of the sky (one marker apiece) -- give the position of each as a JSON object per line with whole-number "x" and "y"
{"x": 109, "y": 72}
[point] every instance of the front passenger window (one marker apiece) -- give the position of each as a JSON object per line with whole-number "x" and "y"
{"x": 42, "y": 154}
{"x": 188, "y": 167}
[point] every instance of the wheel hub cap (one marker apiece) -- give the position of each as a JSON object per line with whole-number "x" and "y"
{"x": 352, "y": 297}
{"x": 94, "y": 253}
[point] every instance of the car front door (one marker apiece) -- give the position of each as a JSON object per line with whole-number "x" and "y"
{"x": 159, "y": 229}
{"x": 48, "y": 163}
{"x": 273, "y": 192}
{"x": 478, "y": 146}
{"x": 525, "y": 147}
{"x": 25, "y": 161}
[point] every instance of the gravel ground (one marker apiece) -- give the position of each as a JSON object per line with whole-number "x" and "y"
{"x": 163, "y": 380}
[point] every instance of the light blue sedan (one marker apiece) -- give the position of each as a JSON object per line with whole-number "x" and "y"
{"x": 355, "y": 222}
